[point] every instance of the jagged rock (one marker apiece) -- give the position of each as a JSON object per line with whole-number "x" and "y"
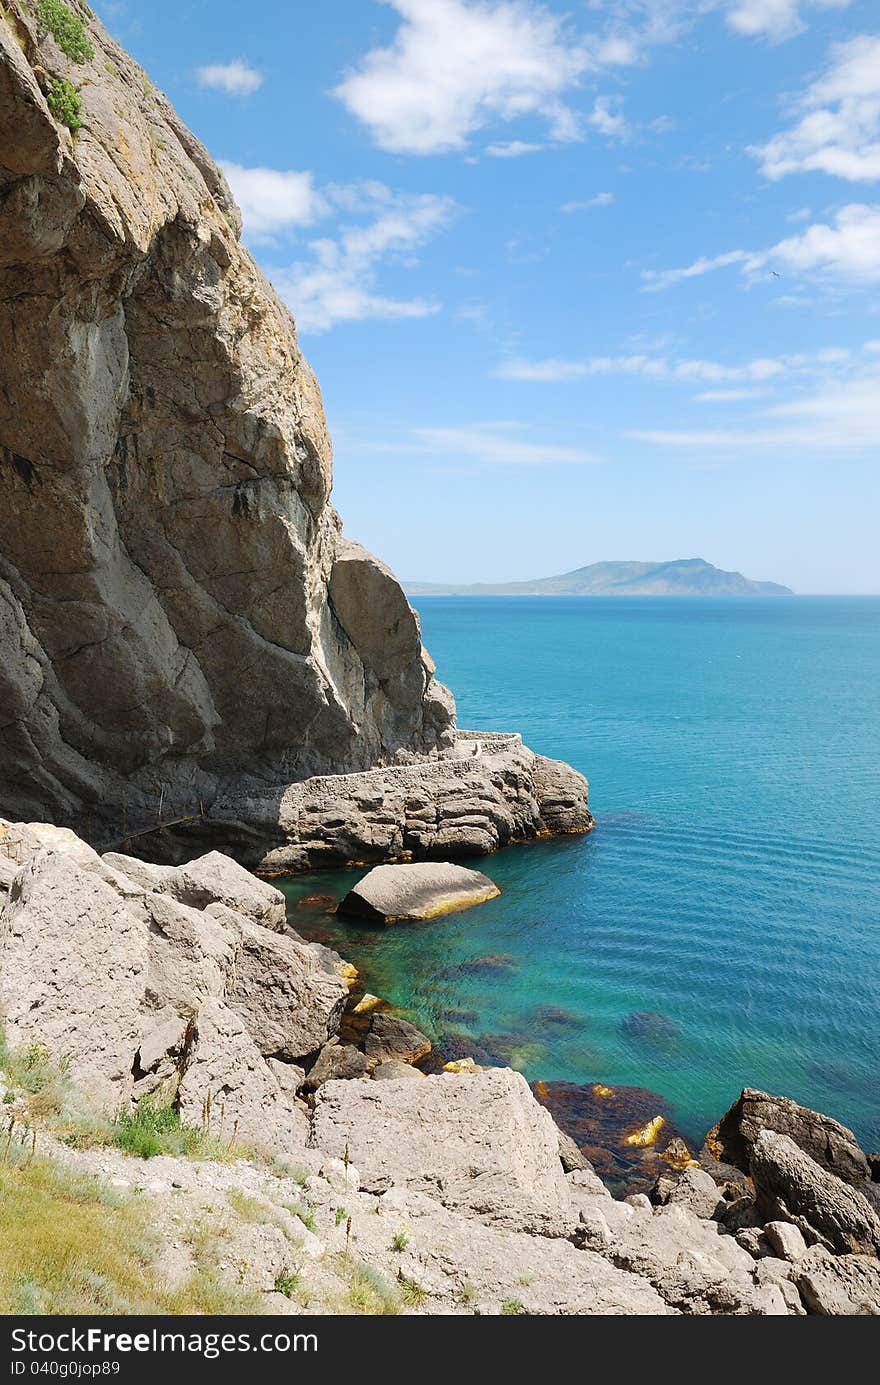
{"x": 73, "y": 964}
{"x": 217, "y": 879}
{"x": 336, "y": 1062}
{"x": 391, "y": 1037}
{"x": 21, "y": 841}
{"x": 191, "y": 955}
{"x": 290, "y": 1076}
{"x": 342, "y": 1175}
{"x": 390, "y": 1069}
{"x": 466, "y": 1263}
{"x": 833, "y": 1285}
{"x": 228, "y": 1086}
{"x": 394, "y": 894}
{"x": 483, "y": 1147}
{"x": 785, "y": 1240}
{"x": 793, "y": 1187}
{"x": 570, "y": 1155}
{"x": 289, "y": 995}
{"x": 692, "y": 1264}
{"x": 693, "y": 1189}
{"x": 165, "y": 1036}
{"x": 150, "y": 877}
{"x": 465, "y": 1065}
{"x": 826, "y": 1141}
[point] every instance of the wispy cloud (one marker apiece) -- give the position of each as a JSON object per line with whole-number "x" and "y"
{"x": 838, "y": 131}
{"x": 843, "y": 419}
{"x": 676, "y": 370}
{"x": 512, "y": 149}
{"x": 498, "y": 444}
{"x": 338, "y": 281}
{"x": 847, "y": 250}
{"x": 599, "y": 199}
{"x": 235, "y": 78}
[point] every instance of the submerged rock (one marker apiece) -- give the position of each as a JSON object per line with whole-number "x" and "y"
{"x": 391, "y": 1037}
{"x": 395, "y": 894}
{"x": 616, "y": 1129}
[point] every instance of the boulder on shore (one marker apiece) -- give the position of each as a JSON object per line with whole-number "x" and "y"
{"x": 424, "y": 890}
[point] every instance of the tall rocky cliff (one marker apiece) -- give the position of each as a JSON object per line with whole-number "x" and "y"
{"x": 179, "y": 610}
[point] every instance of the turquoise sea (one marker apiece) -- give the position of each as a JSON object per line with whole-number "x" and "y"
{"x": 732, "y": 885}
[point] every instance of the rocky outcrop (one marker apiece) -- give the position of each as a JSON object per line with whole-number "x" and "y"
{"x": 791, "y": 1185}
{"x": 827, "y": 1142}
{"x": 395, "y": 894}
{"x": 140, "y": 993}
{"x": 184, "y": 631}
{"x": 481, "y": 1145}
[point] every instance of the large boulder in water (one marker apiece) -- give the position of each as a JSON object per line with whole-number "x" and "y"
{"x": 425, "y": 890}
{"x": 826, "y": 1141}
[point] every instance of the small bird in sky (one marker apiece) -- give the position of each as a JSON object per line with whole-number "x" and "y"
{"x": 774, "y": 274}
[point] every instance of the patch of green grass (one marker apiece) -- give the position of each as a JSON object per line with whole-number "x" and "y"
{"x": 152, "y": 1129}
{"x": 70, "y": 1244}
{"x": 30, "y": 1071}
{"x": 413, "y": 1294}
{"x": 65, "y": 103}
{"x": 287, "y": 1282}
{"x": 400, "y": 1240}
{"x": 341, "y": 1214}
{"x": 67, "y": 29}
{"x": 282, "y": 1168}
{"x": 370, "y": 1293}
{"x": 305, "y": 1214}
{"x": 512, "y": 1308}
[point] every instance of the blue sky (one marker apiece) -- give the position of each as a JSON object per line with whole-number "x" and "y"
{"x": 580, "y": 282}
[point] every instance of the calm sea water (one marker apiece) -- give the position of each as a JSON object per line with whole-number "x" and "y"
{"x": 732, "y": 884}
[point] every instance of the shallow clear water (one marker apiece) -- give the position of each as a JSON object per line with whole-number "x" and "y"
{"x": 732, "y": 884}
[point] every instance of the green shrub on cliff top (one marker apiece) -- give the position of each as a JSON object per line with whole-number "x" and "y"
{"x": 67, "y": 29}
{"x": 65, "y": 104}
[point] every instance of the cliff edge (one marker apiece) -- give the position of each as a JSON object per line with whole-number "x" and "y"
{"x": 182, "y": 622}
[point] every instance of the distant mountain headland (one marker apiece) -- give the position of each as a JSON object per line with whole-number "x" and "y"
{"x": 680, "y": 577}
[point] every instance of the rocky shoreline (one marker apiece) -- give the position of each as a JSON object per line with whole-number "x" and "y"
{"x": 184, "y": 986}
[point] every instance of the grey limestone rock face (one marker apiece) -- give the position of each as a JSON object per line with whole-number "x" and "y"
{"x": 177, "y": 604}
{"x": 481, "y": 1145}
{"x": 397, "y": 893}
{"x": 73, "y": 969}
{"x": 186, "y": 637}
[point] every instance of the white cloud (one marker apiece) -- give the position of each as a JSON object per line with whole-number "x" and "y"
{"x": 607, "y": 117}
{"x": 272, "y": 201}
{"x": 847, "y": 250}
{"x": 843, "y": 418}
{"x": 236, "y": 78}
{"x": 454, "y": 67}
{"x": 775, "y": 19}
{"x": 512, "y": 149}
{"x": 839, "y": 127}
{"x": 338, "y": 282}
{"x": 600, "y": 199}
{"x": 497, "y": 444}
{"x": 725, "y": 396}
{"x": 681, "y": 370}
